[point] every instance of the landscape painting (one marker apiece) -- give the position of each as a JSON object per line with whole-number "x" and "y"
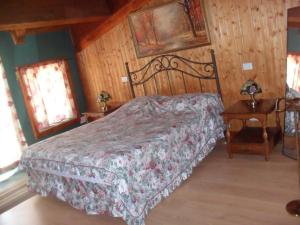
{"x": 170, "y": 27}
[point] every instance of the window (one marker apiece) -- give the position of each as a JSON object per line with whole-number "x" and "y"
{"x": 48, "y": 95}
{"x": 11, "y": 135}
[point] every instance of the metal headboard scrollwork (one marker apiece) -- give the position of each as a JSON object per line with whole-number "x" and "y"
{"x": 177, "y": 63}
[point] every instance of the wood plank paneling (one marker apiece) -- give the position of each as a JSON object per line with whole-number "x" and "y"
{"x": 241, "y": 31}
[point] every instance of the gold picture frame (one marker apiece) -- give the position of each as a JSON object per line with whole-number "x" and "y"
{"x": 169, "y": 27}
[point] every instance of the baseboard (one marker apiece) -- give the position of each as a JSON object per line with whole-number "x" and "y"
{"x": 14, "y": 196}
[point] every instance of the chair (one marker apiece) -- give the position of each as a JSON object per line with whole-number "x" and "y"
{"x": 292, "y": 107}
{"x": 291, "y": 124}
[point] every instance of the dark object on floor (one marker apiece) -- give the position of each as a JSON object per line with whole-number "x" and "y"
{"x": 293, "y": 207}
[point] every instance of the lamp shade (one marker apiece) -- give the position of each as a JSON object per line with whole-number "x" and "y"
{"x": 250, "y": 87}
{"x": 103, "y": 97}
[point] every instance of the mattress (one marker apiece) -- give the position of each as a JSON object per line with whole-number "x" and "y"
{"x": 126, "y": 162}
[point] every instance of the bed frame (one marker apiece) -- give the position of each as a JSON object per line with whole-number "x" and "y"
{"x": 166, "y": 63}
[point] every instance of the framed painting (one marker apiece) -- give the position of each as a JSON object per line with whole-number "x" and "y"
{"x": 170, "y": 27}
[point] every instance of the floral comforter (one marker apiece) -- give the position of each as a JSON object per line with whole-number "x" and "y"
{"x": 125, "y": 163}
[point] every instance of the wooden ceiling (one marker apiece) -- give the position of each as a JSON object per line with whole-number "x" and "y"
{"x": 87, "y": 19}
{"x": 83, "y": 35}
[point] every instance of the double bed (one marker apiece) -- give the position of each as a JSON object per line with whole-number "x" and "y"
{"x": 125, "y": 163}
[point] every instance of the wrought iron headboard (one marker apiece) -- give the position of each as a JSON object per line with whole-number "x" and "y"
{"x": 172, "y": 63}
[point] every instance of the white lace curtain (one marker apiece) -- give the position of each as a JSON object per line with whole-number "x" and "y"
{"x": 11, "y": 136}
{"x": 49, "y": 91}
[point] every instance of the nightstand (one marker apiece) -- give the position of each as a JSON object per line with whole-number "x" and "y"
{"x": 91, "y": 116}
{"x": 253, "y": 140}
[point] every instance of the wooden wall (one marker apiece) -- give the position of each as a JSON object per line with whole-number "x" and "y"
{"x": 241, "y": 31}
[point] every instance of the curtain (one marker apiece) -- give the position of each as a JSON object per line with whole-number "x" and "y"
{"x": 11, "y": 135}
{"x": 49, "y": 93}
{"x": 293, "y": 71}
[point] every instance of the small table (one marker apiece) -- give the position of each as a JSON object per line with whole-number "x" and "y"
{"x": 91, "y": 116}
{"x": 253, "y": 140}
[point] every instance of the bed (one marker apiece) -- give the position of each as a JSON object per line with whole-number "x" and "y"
{"x": 127, "y": 162}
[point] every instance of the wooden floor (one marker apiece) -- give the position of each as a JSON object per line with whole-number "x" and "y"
{"x": 244, "y": 190}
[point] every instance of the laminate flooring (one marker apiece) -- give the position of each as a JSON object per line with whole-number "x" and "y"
{"x": 245, "y": 190}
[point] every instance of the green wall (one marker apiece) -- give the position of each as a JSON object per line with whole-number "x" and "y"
{"x": 54, "y": 45}
{"x": 293, "y": 40}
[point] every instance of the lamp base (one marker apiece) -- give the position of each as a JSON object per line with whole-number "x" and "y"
{"x": 252, "y": 102}
{"x": 293, "y": 207}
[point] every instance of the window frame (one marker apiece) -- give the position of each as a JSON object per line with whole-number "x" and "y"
{"x": 34, "y": 124}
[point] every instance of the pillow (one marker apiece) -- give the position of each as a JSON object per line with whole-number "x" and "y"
{"x": 196, "y": 102}
{"x": 152, "y": 105}
{"x": 138, "y": 106}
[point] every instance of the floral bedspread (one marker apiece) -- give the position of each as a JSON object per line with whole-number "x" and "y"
{"x": 125, "y": 163}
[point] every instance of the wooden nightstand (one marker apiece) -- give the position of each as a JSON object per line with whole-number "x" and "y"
{"x": 253, "y": 140}
{"x": 91, "y": 116}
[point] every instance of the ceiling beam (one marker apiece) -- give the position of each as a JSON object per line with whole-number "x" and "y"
{"x": 294, "y": 18}
{"x": 294, "y": 24}
{"x": 293, "y": 21}
{"x": 50, "y": 23}
{"x": 88, "y": 37}
{"x": 21, "y": 14}
{"x": 18, "y": 36}
{"x": 45, "y": 29}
